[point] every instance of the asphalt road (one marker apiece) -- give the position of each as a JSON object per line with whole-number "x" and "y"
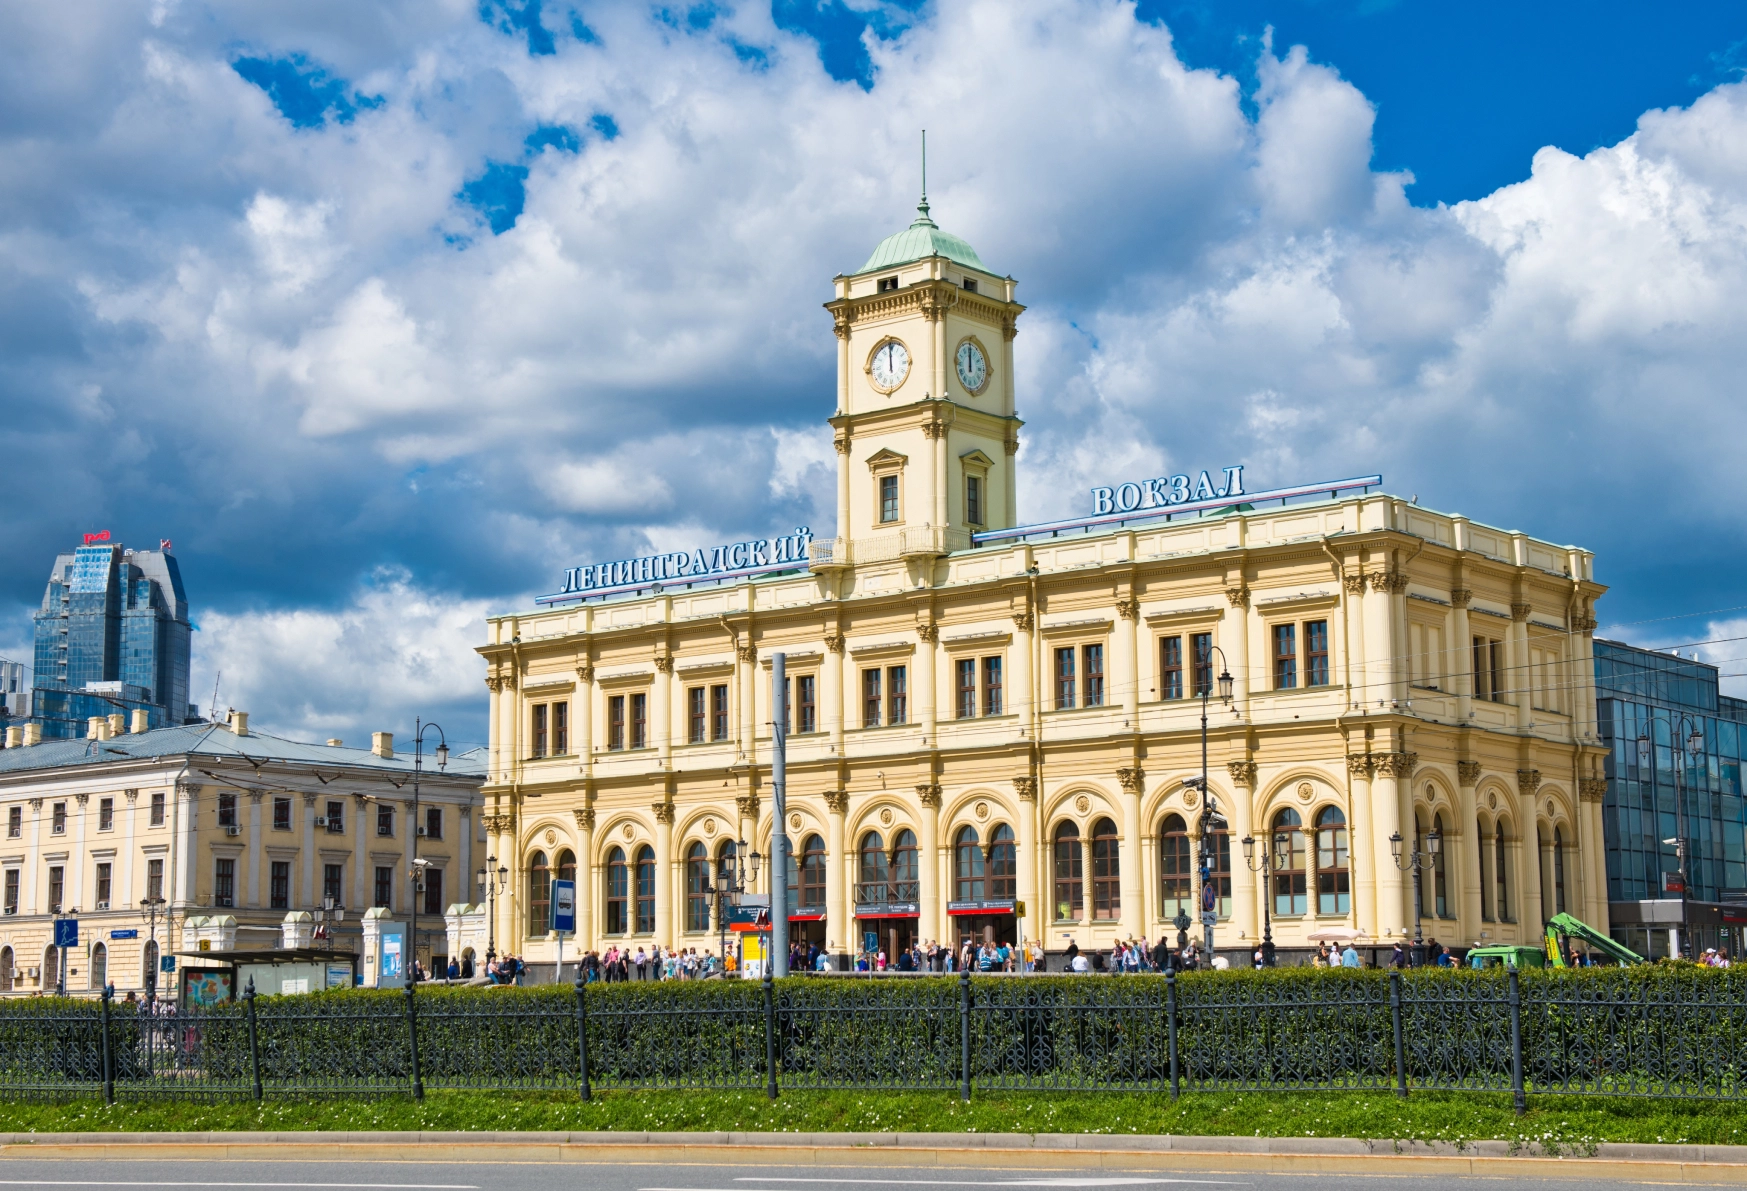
{"x": 146, "y": 1175}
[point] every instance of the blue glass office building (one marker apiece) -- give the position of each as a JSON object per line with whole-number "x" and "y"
{"x": 1671, "y": 793}
{"x": 112, "y": 636}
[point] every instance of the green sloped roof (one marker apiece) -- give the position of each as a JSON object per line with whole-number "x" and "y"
{"x": 921, "y": 239}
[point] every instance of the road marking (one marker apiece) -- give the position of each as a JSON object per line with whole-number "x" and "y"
{"x": 232, "y": 1183}
{"x": 1040, "y": 1182}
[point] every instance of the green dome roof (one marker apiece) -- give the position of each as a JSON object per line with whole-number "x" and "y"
{"x": 922, "y": 238}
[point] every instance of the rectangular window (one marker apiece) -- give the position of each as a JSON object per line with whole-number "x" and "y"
{"x": 106, "y": 814}
{"x": 385, "y": 820}
{"x": 103, "y": 871}
{"x": 227, "y": 810}
{"x": 560, "y": 729}
{"x": 333, "y": 883}
{"x": 1201, "y": 656}
{"x": 698, "y": 715}
{"x": 807, "y": 703}
{"x": 1499, "y": 691}
{"x": 58, "y": 819}
{"x": 336, "y": 817}
{"x": 639, "y": 721}
{"x": 224, "y": 882}
{"x": 965, "y": 684}
{"x": 1094, "y": 675}
{"x": 279, "y": 885}
{"x": 157, "y": 808}
{"x": 539, "y": 732}
{"x": 719, "y": 712}
{"x": 384, "y": 893}
{"x": 1171, "y": 668}
{"x": 1064, "y": 678}
{"x": 11, "y": 904}
{"x": 615, "y": 723}
{"x": 154, "y": 879}
{"x": 434, "y": 891}
{"x": 433, "y": 822}
{"x": 871, "y": 702}
{"x": 897, "y": 696}
{"x": 15, "y": 823}
{"x": 282, "y": 814}
{"x": 1316, "y": 653}
{"x": 57, "y": 887}
{"x": 888, "y": 498}
{"x": 1285, "y": 657}
{"x": 1489, "y": 669}
{"x": 973, "y": 500}
{"x": 992, "y": 695}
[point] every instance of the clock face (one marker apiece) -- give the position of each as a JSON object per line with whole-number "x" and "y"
{"x": 973, "y": 369}
{"x": 891, "y": 364}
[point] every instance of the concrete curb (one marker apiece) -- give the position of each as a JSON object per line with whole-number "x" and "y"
{"x": 1333, "y": 1155}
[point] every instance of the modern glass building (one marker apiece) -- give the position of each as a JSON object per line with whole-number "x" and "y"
{"x": 1653, "y": 709}
{"x": 112, "y": 635}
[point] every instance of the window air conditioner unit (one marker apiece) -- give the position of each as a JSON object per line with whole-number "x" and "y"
{"x": 424, "y": 831}
{"x": 321, "y": 820}
{"x": 233, "y": 830}
{"x": 102, "y": 905}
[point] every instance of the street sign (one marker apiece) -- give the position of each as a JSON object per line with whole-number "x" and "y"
{"x": 124, "y": 934}
{"x": 1672, "y": 883}
{"x": 564, "y": 907}
{"x": 66, "y": 932}
{"x": 166, "y": 963}
{"x": 1210, "y": 920}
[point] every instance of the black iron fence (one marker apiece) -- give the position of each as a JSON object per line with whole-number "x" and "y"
{"x": 1641, "y": 1032}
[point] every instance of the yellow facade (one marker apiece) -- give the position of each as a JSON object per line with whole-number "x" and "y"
{"x": 1440, "y": 675}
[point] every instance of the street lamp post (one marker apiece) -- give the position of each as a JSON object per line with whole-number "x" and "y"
{"x": 151, "y": 906}
{"x": 492, "y": 882}
{"x": 1271, "y": 859}
{"x": 1209, "y": 810}
{"x": 1689, "y": 744}
{"x": 728, "y": 884}
{"x": 1416, "y": 861}
{"x": 417, "y": 875}
{"x": 327, "y": 916}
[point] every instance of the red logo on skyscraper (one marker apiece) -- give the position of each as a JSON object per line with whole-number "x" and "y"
{"x": 100, "y": 536}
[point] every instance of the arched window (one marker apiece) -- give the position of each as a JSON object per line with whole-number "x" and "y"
{"x": 1003, "y": 865}
{"x": 697, "y": 881}
{"x": 1176, "y": 869}
{"x": 148, "y": 966}
{"x": 1069, "y": 873}
{"x": 1558, "y": 870}
{"x": 906, "y": 871}
{"x": 813, "y": 873}
{"x": 1333, "y": 864}
{"x": 1290, "y": 894}
{"x": 539, "y": 895}
{"x": 1440, "y": 870}
{"x": 870, "y": 889}
{"x": 51, "y": 959}
{"x": 727, "y": 857}
{"x": 5, "y": 969}
{"x": 564, "y": 869}
{"x": 1106, "y": 872}
{"x": 645, "y": 890}
{"x": 1501, "y": 867}
{"x": 99, "y": 965}
{"x": 968, "y": 866}
{"x": 618, "y": 922}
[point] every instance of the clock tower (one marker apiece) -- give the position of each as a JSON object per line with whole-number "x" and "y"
{"x": 925, "y": 427}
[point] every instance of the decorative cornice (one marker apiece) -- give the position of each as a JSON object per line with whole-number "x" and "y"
{"x": 1243, "y": 773}
{"x": 1027, "y": 788}
{"x": 1592, "y": 789}
{"x": 1521, "y": 611}
{"x": 1360, "y": 764}
{"x": 1132, "y": 778}
{"x": 1396, "y": 765}
{"x": 1128, "y": 609}
{"x": 929, "y": 794}
{"x": 663, "y": 813}
{"x": 1461, "y": 597}
{"x": 1468, "y": 772}
{"x": 837, "y": 801}
{"x": 1528, "y": 781}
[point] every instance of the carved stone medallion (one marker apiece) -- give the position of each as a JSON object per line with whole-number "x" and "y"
{"x": 794, "y": 822}
{"x": 982, "y": 810}
{"x": 551, "y": 836}
{"x": 629, "y": 831}
{"x": 1082, "y": 804}
{"x": 1306, "y": 791}
{"x": 886, "y": 816}
{"x": 709, "y": 827}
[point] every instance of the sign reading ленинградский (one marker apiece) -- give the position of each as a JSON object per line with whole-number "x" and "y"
{"x": 783, "y": 553}
{"x": 1165, "y": 491}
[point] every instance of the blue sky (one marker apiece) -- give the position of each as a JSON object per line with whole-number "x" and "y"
{"x": 385, "y": 314}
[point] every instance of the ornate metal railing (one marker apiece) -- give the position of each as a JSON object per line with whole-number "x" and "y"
{"x": 1646, "y": 1033}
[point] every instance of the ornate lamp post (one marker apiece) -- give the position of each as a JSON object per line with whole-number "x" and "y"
{"x": 1209, "y": 809}
{"x": 329, "y": 915}
{"x": 151, "y": 906}
{"x": 417, "y": 875}
{"x": 491, "y": 883}
{"x": 728, "y": 885}
{"x": 1274, "y": 856}
{"x": 1415, "y": 862}
{"x": 1689, "y": 733}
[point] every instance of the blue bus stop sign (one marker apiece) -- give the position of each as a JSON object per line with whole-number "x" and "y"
{"x": 564, "y": 907}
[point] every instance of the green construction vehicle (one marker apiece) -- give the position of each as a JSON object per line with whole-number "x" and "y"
{"x": 1561, "y": 928}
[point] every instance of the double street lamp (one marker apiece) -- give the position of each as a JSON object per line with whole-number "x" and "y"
{"x": 152, "y": 906}
{"x": 730, "y": 882}
{"x": 1209, "y": 810}
{"x": 491, "y": 882}
{"x": 417, "y": 874}
{"x": 1276, "y": 854}
{"x": 1689, "y": 735}
{"x": 1415, "y": 862}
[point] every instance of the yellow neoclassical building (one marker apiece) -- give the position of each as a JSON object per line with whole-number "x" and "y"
{"x": 995, "y": 729}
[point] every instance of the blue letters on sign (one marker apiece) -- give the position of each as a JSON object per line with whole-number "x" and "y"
{"x": 735, "y": 558}
{"x": 124, "y": 934}
{"x": 1165, "y": 491}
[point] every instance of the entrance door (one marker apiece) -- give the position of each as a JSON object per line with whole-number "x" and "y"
{"x": 985, "y": 928}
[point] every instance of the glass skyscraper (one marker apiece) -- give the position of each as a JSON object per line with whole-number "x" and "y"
{"x": 1663, "y": 700}
{"x": 112, "y": 636}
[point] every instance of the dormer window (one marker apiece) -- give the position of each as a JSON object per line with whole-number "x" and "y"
{"x": 970, "y": 286}
{"x": 887, "y": 284}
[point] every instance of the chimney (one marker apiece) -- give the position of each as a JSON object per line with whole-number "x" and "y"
{"x": 15, "y": 737}
{"x": 335, "y": 742}
{"x": 32, "y": 734}
{"x": 240, "y": 723}
{"x": 117, "y": 724}
{"x": 382, "y": 744}
{"x": 141, "y": 721}
{"x": 95, "y": 727}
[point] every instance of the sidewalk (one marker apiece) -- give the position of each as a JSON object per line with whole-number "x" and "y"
{"x": 1661, "y": 1163}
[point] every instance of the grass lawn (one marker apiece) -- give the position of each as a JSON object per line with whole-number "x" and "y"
{"x": 1564, "y": 1124}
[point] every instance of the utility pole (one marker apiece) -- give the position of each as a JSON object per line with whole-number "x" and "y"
{"x": 779, "y": 839}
